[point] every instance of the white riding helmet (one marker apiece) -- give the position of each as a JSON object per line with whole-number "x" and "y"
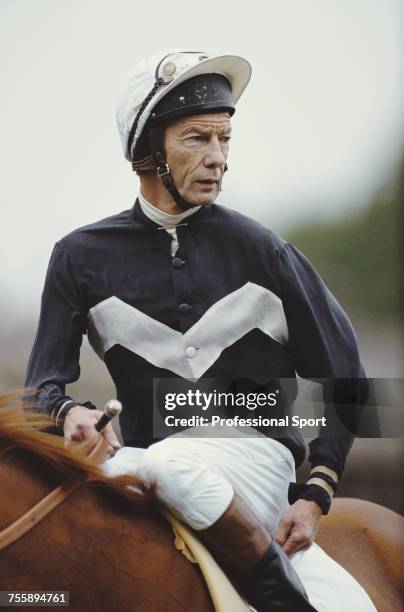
{"x": 152, "y": 78}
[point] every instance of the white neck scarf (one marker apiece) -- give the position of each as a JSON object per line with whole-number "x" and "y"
{"x": 166, "y": 220}
{"x": 162, "y": 218}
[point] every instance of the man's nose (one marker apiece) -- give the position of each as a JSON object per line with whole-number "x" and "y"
{"x": 215, "y": 156}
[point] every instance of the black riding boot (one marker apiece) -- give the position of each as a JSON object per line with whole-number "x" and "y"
{"x": 255, "y": 561}
{"x": 272, "y": 584}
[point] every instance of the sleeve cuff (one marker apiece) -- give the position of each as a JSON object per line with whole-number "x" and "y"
{"x": 60, "y": 412}
{"x": 324, "y": 477}
{"x": 320, "y": 488}
{"x": 311, "y": 492}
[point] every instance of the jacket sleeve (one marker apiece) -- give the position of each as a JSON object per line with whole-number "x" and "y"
{"x": 323, "y": 346}
{"x": 54, "y": 360}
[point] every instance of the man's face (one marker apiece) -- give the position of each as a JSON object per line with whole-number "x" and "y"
{"x": 197, "y": 149}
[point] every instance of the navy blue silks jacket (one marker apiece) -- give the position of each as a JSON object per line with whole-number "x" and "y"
{"x": 236, "y": 303}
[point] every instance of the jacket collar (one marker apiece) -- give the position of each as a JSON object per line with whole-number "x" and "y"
{"x": 202, "y": 214}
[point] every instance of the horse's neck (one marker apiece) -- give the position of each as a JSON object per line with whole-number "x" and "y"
{"x": 97, "y": 535}
{"x": 92, "y": 534}
{"x": 23, "y": 482}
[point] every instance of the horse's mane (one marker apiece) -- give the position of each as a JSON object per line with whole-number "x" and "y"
{"x": 23, "y": 429}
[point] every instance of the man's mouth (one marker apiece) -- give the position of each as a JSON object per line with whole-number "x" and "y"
{"x": 208, "y": 181}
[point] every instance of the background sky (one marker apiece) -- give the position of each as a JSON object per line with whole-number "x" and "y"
{"x": 318, "y": 130}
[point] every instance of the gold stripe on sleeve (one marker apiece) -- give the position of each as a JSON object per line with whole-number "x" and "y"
{"x": 325, "y": 470}
{"x": 321, "y": 483}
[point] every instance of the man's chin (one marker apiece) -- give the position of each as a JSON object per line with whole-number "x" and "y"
{"x": 204, "y": 203}
{"x": 201, "y": 199}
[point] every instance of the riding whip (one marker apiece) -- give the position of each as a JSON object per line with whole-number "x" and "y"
{"x": 112, "y": 408}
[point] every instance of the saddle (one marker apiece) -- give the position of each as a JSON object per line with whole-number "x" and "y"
{"x": 224, "y": 596}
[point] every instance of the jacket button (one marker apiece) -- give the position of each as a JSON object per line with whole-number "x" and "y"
{"x": 184, "y": 308}
{"x": 190, "y": 351}
{"x": 177, "y": 262}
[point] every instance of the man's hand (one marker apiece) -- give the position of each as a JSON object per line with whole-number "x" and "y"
{"x": 80, "y": 424}
{"x": 298, "y": 526}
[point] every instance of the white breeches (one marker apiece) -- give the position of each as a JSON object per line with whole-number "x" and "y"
{"x": 196, "y": 478}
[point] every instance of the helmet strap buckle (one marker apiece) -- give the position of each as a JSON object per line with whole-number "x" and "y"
{"x": 163, "y": 169}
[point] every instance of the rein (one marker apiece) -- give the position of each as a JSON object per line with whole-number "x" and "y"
{"x": 34, "y": 515}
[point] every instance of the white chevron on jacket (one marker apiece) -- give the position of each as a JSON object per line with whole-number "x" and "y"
{"x": 112, "y": 322}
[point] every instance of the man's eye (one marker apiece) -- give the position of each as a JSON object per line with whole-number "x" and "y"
{"x": 195, "y": 138}
{"x": 225, "y": 138}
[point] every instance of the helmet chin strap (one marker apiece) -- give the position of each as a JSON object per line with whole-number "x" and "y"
{"x": 163, "y": 170}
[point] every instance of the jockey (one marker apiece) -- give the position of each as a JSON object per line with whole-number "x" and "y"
{"x": 177, "y": 292}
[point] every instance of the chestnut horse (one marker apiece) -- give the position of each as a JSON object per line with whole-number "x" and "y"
{"x": 107, "y": 544}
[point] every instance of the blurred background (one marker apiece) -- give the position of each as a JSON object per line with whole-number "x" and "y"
{"x": 316, "y": 155}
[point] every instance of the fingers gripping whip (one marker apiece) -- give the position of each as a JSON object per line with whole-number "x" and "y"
{"x": 112, "y": 409}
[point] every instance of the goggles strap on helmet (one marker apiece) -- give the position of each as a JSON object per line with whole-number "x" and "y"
{"x": 163, "y": 170}
{"x": 159, "y": 83}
